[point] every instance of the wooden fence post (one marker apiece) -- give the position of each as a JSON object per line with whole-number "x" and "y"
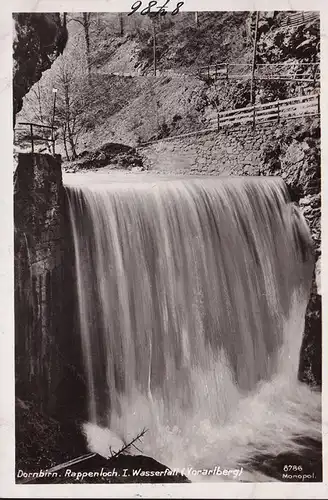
{"x": 254, "y": 116}
{"x": 278, "y": 106}
{"x": 318, "y": 104}
{"x": 31, "y": 130}
{"x": 218, "y": 120}
{"x": 252, "y": 91}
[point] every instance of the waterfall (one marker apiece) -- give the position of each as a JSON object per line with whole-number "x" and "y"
{"x": 192, "y": 295}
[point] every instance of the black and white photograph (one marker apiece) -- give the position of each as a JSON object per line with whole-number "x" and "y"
{"x": 167, "y": 246}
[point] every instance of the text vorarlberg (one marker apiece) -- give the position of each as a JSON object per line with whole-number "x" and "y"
{"x": 185, "y": 471}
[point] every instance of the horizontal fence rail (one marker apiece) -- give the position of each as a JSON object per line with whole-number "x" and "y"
{"x": 273, "y": 111}
{"x": 225, "y": 71}
{"x": 297, "y": 107}
{"x": 306, "y": 72}
{"x": 309, "y": 72}
{"x": 299, "y": 18}
{"x": 33, "y": 137}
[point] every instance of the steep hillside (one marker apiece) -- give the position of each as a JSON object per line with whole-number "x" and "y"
{"x": 121, "y": 101}
{"x": 143, "y": 108}
{"x": 182, "y": 43}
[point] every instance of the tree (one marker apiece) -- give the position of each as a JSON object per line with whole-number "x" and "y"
{"x": 121, "y": 24}
{"x": 86, "y": 23}
{"x": 72, "y": 99}
{"x": 67, "y": 75}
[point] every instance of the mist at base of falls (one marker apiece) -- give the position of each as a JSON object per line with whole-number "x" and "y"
{"x": 192, "y": 296}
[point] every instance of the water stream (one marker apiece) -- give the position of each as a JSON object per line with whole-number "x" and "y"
{"x": 192, "y": 295}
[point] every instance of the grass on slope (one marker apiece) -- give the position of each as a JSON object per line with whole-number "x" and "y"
{"x": 181, "y": 43}
{"x": 134, "y": 110}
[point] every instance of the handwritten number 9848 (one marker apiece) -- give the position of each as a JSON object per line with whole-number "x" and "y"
{"x": 152, "y": 3}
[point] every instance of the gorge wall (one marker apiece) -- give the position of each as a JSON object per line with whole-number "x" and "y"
{"x": 38, "y": 40}
{"x": 46, "y": 350}
{"x": 290, "y": 150}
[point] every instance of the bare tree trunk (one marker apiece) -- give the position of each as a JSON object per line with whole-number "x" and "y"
{"x": 39, "y": 102}
{"x": 252, "y": 91}
{"x": 67, "y": 120}
{"x": 86, "y": 21}
{"x": 41, "y": 117}
{"x": 71, "y": 142}
{"x": 196, "y": 19}
{"x": 70, "y": 133}
{"x": 154, "y": 47}
{"x": 121, "y": 24}
{"x": 65, "y": 142}
{"x": 86, "y": 26}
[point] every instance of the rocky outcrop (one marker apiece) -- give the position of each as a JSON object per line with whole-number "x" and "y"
{"x": 296, "y": 158}
{"x": 111, "y": 155}
{"x": 47, "y": 357}
{"x": 39, "y": 39}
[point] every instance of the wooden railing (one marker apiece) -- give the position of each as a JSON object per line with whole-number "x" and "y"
{"x": 299, "y": 18}
{"x": 225, "y": 71}
{"x": 36, "y": 137}
{"x": 297, "y": 107}
{"x": 305, "y": 72}
{"x": 272, "y": 111}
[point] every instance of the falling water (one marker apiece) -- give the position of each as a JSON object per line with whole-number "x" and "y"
{"x": 192, "y": 295}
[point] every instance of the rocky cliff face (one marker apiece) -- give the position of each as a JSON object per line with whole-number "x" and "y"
{"x": 38, "y": 40}
{"x": 294, "y": 154}
{"x": 47, "y": 357}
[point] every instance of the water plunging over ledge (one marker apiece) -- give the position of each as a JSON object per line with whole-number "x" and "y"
{"x": 192, "y": 296}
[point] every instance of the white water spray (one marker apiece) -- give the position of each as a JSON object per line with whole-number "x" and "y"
{"x": 192, "y": 296}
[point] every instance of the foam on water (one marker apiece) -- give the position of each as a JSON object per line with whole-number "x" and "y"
{"x": 192, "y": 295}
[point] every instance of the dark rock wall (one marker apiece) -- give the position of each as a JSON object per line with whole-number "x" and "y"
{"x": 47, "y": 348}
